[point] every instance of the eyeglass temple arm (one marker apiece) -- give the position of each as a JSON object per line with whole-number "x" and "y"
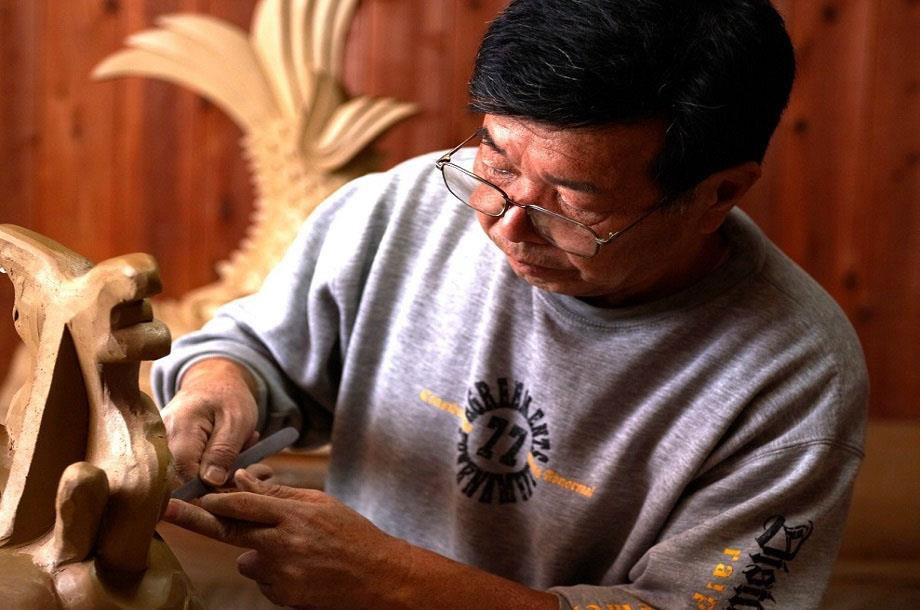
{"x": 446, "y": 158}
{"x": 645, "y": 215}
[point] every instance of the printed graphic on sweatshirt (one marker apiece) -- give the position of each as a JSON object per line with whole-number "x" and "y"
{"x": 504, "y": 428}
{"x": 504, "y": 443}
{"x": 778, "y": 546}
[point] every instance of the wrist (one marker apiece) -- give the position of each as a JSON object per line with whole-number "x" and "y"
{"x": 226, "y": 370}
{"x": 402, "y": 577}
{"x": 424, "y": 579}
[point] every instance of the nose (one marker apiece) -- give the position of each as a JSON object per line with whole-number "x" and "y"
{"x": 515, "y": 227}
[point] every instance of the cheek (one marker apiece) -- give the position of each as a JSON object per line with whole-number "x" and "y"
{"x": 597, "y": 271}
{"x": 486, "y": 222}
{"x": 611, "y": 267}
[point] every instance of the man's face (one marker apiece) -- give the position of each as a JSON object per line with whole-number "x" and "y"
{"x": 599, "y": 177}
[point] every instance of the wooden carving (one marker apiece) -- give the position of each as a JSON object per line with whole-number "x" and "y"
{"x": 83, "y": 456}
{"x": 282, "y": 85}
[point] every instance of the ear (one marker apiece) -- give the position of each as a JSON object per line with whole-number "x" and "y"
{"x": 722, "y": 191}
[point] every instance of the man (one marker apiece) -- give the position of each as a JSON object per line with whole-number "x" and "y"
{"x": 600, "y": 387}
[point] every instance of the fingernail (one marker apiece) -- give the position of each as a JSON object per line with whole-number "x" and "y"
{"x": 215, "y": 475}
{"x": 244, "y": 478}
{"x": 172, "y": 509}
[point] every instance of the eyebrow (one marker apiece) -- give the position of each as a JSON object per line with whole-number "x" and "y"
{"x": 488, "y": 141}
{"x": 574, "y": 185}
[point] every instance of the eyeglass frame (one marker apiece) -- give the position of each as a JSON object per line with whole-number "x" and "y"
{"x": 444, "y": 160}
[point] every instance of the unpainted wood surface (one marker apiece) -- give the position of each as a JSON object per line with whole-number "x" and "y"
{"x": 139, "y": 165}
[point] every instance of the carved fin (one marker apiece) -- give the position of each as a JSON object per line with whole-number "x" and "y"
{"x": 328, "y": 96}
{"x": 134, "y": 62}
{"x": 302, "y": 47}
{"x": 344, "y": 139}
{"x": 271, "y": 39}
{"x": 338, "y": 33}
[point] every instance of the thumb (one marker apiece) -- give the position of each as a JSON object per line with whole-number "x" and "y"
{"x": 222, "y": 449}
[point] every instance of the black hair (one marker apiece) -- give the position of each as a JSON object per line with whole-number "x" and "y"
{"x": 717, "y": 72}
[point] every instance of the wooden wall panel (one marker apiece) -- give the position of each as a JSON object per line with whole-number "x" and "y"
{"x": 840, "y": 187}
{"x": 887, "y": 310}
{"x": 136, "y": 164}
{"x": 73, "y": 172}
{"x": 19, "y": 138}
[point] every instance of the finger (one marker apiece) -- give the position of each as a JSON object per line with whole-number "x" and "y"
{"x": 199, "y": 520}
{"x": 245, "y": 506}
{"x": 251, "y": 565}
{"x": 262, "y": 472}
{"x": 187, "y": 438}
{"x": 223, "y": 447}
{"x": 252, "y": 440}
{"x": 245, "y": 481}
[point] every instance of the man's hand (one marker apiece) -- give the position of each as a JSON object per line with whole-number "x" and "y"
{"x": 211, "y": 418}
{"x": 307, "y": 548}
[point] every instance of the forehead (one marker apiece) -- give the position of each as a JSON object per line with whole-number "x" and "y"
{"x": 587, "y": 152}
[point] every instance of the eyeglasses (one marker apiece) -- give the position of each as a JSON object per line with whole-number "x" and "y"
{"x": 566, "y": 234}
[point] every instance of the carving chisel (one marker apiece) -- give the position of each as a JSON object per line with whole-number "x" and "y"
{"x": 268, "y": 446}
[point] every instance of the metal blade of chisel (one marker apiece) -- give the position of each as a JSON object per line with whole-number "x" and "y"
{"x": 268, "y": 446}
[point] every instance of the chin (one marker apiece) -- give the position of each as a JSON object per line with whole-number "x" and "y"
{"x": 537, "y": 273}
{"x": 561, "y": 281}
{"x": 548, "y": 279}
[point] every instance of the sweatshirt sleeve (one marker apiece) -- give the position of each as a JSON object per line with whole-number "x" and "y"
{"x": 762, "y": 533}
{"x": 292, "y": 333}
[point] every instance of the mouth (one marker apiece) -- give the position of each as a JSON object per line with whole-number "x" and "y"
{"x": 531, "y": 268}
{"x": 530, "y": 259}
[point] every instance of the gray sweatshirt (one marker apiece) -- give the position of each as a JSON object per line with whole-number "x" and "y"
{"x": 693, "y": 452}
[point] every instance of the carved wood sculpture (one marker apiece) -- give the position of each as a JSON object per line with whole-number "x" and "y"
{"x": 83, "y": 456}
{"x": 303, "y": 137}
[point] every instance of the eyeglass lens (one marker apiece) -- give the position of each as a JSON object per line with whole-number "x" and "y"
{"x": 483, "y": 197}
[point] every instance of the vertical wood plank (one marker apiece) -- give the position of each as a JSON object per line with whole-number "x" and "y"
{"x": 74, "y": 164}
{"x": 831, "y": 197}
{"x": 472, "y": 20}
{"x": 886, "y": 276}
{"x": 225, "y": 179}
{"x": 170, "y": 135}
{"x": 827, "y": 113}
{"x": 20, "y": 129}
{"x": 19, "y": 122}
{"x": 129, "y": 143}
